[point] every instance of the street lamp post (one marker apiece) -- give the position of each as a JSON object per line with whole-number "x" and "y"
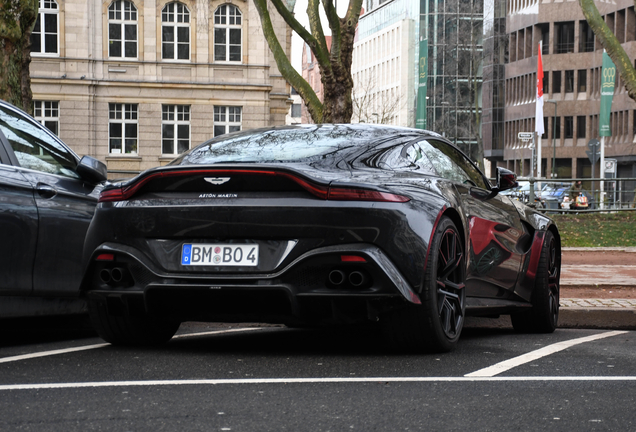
{"x": 553, "y": 136}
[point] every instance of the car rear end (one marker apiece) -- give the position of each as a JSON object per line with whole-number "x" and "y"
{"x": 266, "y": 243}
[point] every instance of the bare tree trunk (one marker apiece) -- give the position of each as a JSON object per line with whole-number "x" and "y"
{"x": 611, "y": 44}
{"x": 334, "y": 64}
{"x": 17, "y": 18}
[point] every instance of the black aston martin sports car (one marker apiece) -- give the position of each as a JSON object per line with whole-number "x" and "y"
{"x": 320, "y": 225}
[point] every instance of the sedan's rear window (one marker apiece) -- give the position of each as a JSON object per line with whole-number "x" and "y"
{"x": 283, "y": 144}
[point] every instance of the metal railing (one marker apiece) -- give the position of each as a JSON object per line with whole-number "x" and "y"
{"x": 548, "y": 195}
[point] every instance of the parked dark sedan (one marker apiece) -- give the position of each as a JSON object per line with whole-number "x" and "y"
{"x": 319, "y": 225}
{"x": 47, "y": 199}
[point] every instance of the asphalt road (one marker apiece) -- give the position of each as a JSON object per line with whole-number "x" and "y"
{"x": 279, "y": 379}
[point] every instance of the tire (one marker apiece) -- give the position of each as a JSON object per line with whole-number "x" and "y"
{"x": 544, "y": 316}
{"x": 129, "y": 329}
{"x": 436, "y": 324}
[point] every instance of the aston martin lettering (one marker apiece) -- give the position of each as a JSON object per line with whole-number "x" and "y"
{"x": 223, "y": 195}
{"x": 217, "y": 180}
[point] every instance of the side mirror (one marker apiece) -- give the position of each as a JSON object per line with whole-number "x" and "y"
{"x": 92, "y": 170}
{"x": 506, "y": 179}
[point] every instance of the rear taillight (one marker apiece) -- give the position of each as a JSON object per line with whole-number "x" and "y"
{"x": 346, "y": 194}
{"x": 334, "y": 193}
{"x": 111, "y": 195}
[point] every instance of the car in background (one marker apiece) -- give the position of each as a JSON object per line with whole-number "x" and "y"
{"x": 522, "y": 193}
{"x": 316, "y": 225}
{"x": 557, "y": 195}
{"x": 47, "y": 199}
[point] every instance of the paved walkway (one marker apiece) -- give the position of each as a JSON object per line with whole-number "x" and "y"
{"x": 598, "y": 303}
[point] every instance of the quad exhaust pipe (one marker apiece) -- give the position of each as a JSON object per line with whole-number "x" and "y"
{"x": 115, "y": 275}
{"x": 355, "y": 278}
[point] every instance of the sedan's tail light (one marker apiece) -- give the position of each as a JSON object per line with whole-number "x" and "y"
{"x": 326, "y": 192}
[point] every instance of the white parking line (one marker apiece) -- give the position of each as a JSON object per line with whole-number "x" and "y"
{"x": 498, "y": 368}
{"x": 102, "y": 345}
{"x": 379, "y": 380}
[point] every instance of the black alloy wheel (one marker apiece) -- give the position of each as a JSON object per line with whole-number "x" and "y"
{"x": 544, "y": 316}
{"x": 436, "y": 324}
{"x": 450, "y": 283}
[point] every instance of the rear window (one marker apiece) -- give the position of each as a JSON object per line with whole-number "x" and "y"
{"x": 284, "y": 144}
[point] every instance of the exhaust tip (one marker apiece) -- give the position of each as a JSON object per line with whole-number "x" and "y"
{"x": 357, "y": 278}
{"x": 105, "y": 276}
{"x": 118, "y": 274}
{"x": 336, "y": 277}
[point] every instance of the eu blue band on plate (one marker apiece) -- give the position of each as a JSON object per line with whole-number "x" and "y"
{"x": 186, "y": 254}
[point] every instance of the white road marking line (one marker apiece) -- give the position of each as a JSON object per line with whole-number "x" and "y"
{"x": 503, "y": 366}
{"x": 50, "y": 353}
{"x": 102, "y": 345}
{"x": 378, "y": 380}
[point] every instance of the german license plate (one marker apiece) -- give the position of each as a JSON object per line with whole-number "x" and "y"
{"x": 219, "y": 255}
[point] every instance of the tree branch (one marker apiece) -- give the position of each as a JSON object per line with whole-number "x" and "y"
{"x": 285, "y": 67}
{"x": 334, "y": 25}
{"x": 320, "y": 49}
{"x": 611, "y": 44}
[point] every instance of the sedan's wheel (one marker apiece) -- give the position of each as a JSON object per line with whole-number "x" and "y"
{"x": 436, "y": 324}
{"x": 544, "y": 316}
{"x": 129, "y": 329}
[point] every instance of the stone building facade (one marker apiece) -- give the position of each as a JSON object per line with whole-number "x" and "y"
{"x": 135, "y": 83}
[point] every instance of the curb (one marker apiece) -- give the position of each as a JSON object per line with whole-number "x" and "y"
{"x": 597, "y": 318}
{"x": 572, "y": 317}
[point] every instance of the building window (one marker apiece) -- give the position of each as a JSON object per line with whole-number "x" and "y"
{"x": 175, "y": 129}
{"x": 580, "y": 126}
{"x": 226, "y": 119}
{"x": 569, "y": 81}
{"x": 556, "y": 82}
{"x": 569, "y": 127}
{"x": 175, "y": 32}
{"x": 564, "y": 42}
{"x": 582, "y": 84}
{"x": 48, "y": 114}
{"x": 295, "y": 110}
{"x": 44, "y": 38}
{"x": 556, "y": 128}
{"x": 546, "y": 84}
{"x": 586, "y": 37}
{"x": 122, "y": 29}
{"x": 545, "y": 129}
{"x": 227, "y": 33}
{"x": 122, "y": 128}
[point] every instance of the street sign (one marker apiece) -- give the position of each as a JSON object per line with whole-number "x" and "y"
{"x": 593, "y": 156}
{"x": 593, "y": 144}
{"x": 610, "y": 166}
{"x": 524, "y": 136}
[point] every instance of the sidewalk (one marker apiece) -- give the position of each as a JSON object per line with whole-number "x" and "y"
{"x": 617, "y": 277}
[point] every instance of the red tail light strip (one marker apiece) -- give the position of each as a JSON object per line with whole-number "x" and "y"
{"x": 352, "y": 258}
{"x": 320, "y": 191}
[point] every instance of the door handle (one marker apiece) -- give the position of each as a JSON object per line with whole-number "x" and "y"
{"x": 46, "y": 191}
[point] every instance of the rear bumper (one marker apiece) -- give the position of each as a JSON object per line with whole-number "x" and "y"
{"x": 315, "y": 286}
